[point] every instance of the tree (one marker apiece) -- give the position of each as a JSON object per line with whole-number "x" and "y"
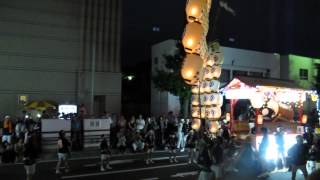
{"x": 170, "y": 79}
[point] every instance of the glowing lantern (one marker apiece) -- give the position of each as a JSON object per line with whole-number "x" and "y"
{"x": 212, "y": 72}
{"x": 228, "y": 117}
{"x": 213, "y": 112}
{"x": 213, "y": 126}
{"x": 195, "y": 9}
{"x": 257, "y": 100}
{"x": 265, "y": 111}
{"x": 191, "y": 68}
{"x": 203, "y": 86}
{"x": 196, "y": 124}
{"x": 195, "y": 100}
{"x": 195, "y": 112}
{"x": 214, "y": 58}
{"x": 259, "y": 119}
{"x": 192, "y": 37}
{"x": 304, "y": 119}
{"x": 195, "y": 89}
{"x": 273, "y": 105}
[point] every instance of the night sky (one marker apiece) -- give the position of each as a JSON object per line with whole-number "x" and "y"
{"x": 281, "y": 26}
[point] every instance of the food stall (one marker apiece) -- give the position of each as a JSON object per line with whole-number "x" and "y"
{"x": 274, "y": 103}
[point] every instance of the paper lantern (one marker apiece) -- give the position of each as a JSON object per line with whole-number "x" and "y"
{"x": 195, "y": 112}
{"x": 195, "y": 89}
{"x": 257, "y": 100}
{"x": 259, "y": 119}
{"x": 195, "y": 100}
{"x": 203, "y": 86}
{"x": 272, "y": 104}
{"x": 192, "y": 37}
{"x": 212, "y": 72}
{"x": 214, "y": 86}
{"x": 304, "y": 119}
{"x": 195, "y": 10}
{"x": 213, "y": 126}
{"x": 191, "y": 68}
{"x": 265, "y": 111}
{"x": 196, "y": 124}
{"x": 214, "y": 58}
{"x": 213, "y": 112}
{"x": 228, "y": 117}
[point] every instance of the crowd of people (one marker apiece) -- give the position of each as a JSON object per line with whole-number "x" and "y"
{"x": 215, "y": 153}
{"x": 303, "y": 155}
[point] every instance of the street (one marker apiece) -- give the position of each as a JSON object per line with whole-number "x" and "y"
{"x": 127, "y": 166}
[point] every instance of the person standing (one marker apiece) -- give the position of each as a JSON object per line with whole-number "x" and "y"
{"x": 298, "y": 154}
{"x": 263, "y": 153}
{"x": 140, "y": 123}
{"x": 180, "y": 135}
{"x": 7, "y": 129}
{"x": 191, "y": 144}
{"x": 29, "y": 159}
{"x": 280, "y": 146}
{"x": 63, "y": 152}
{"x": 172, "y": 142}
{"x": 105, "y": 154}
{"x": 149, "y": 143}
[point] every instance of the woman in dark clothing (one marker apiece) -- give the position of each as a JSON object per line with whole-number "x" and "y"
{"x": 29, "y": 159}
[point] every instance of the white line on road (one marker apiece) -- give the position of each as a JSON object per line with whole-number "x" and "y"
{"x": 153, "y": 178}
{"x": 192, "y": 173}
{"x": 122, "y": 171}
{"x": 130, "y": 161}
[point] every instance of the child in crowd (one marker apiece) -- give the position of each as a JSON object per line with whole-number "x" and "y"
{"x": 138, "y": 144}
{"x": 105, "y": 154}
{"x": 121, "y": 142}
{"x": 19, "y": 148}
{"x": 191, "y": 144}
{"x": 172, "y": 143}
{"x": 149, "y": 141}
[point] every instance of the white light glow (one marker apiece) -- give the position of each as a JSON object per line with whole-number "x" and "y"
{"x": 272, "y": 150}
{"x": 67, "y": 109}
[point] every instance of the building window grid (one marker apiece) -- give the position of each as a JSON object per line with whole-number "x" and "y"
{"x": 303, "y": 74}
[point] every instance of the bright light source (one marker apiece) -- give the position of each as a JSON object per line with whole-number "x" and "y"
{"x": 67, "y": 109}
{"x": 189, "y": 42}
{"x": 272, "y": 150}
{"x": 189, "y": 74}
{"x": 38, "y": 115}
{"x": 130, "y": 78}
{"x": 194, "y": 11}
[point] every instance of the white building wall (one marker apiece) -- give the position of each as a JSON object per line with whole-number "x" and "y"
{"x": 162, "y": 102}
{"x": 251, "y": 61}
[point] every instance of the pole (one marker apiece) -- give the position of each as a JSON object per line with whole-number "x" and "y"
{"x": 93, "y": 69}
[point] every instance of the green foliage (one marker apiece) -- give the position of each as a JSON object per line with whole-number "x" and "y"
{"x": 170, "y": 79}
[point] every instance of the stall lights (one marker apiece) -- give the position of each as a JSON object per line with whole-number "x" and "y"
{"x": 260, "y": 119}
{"x": 304, "y": 119}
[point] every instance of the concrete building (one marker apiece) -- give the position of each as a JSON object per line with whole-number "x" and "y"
{"x": 67, "y": 51}
{"x": 237, "y": 62}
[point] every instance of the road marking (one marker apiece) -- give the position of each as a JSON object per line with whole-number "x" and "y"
{"x": 130, "y": 161}
{"x": 154, "y": 178}
{"x": 192, "y": 173}
{"x": 122, "y": 171}
{"x": 98, "y": 157}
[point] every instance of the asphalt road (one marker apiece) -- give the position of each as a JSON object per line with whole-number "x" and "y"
{"x": 130, "y": 167}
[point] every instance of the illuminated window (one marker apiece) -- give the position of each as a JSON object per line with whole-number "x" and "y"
{"x": 22, "y": 99}
{"x": 303, "y": 74}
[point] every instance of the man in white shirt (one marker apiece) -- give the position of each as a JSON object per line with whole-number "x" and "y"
{"x": 140, "y": 123}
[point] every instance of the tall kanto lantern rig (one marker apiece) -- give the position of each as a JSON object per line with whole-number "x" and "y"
{"x": 202, "y": 65}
